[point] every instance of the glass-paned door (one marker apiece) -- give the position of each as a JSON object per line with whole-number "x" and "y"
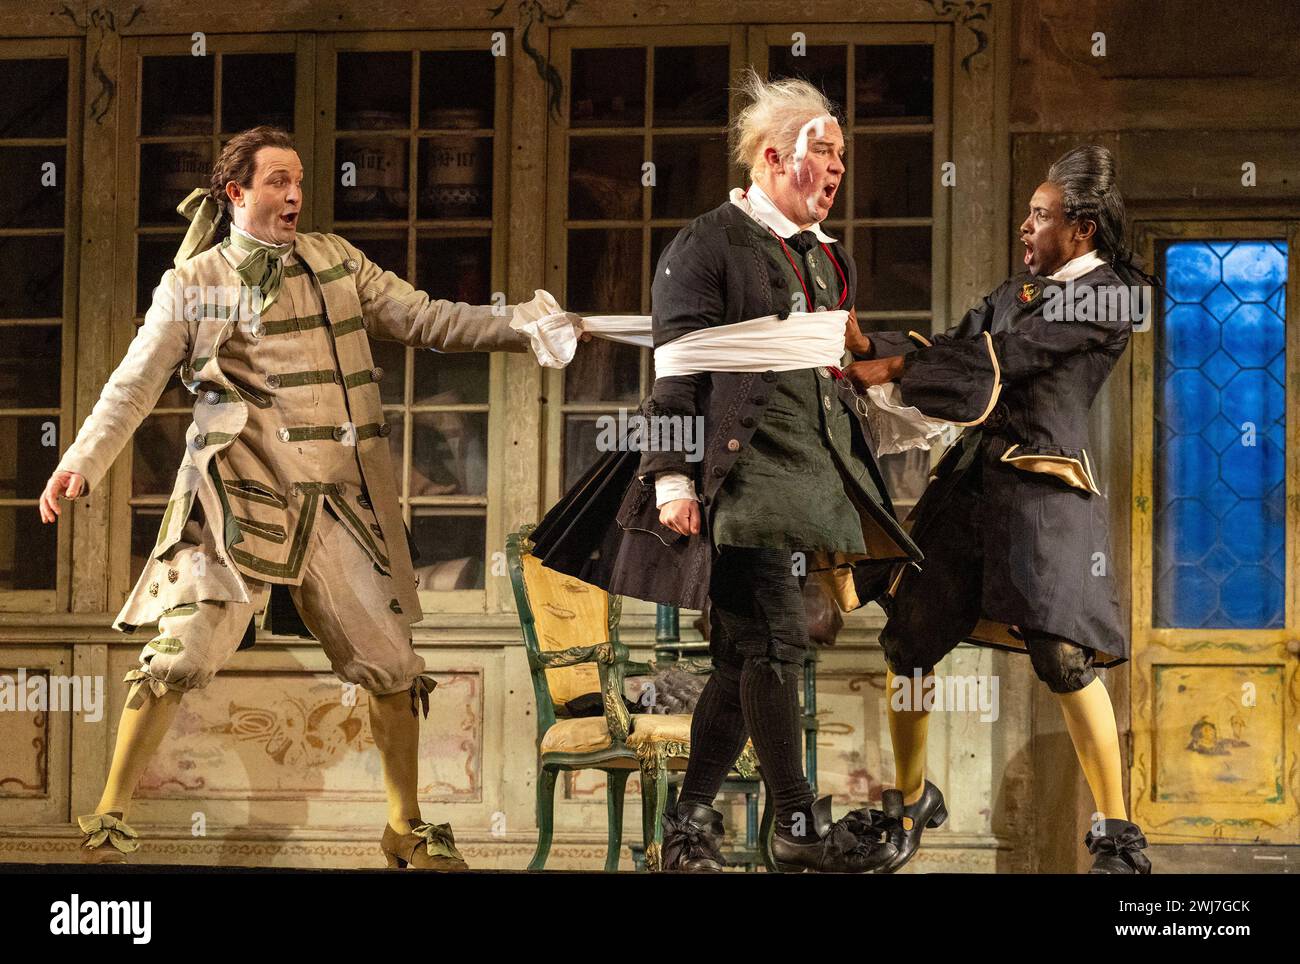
{"x": 39, "y": 118}
{"x": 890, "y": 83}
{"x": 639, "y": 151}
{"x": 410, "y": 137}
{"x": 1215, "y": 513}
{"x": 185, "y": 103}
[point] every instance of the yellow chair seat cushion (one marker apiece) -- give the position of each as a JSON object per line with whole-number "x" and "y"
{"x": 586, "y": 734}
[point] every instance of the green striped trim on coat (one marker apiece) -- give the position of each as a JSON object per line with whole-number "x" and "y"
{"x": 255, "y": 491}
{"x": 348, "y": 325}
{"x": 363, "y": 377}
{"x": 323, "y": 376}
{"x": 289, "y": 568}
{"x": 360, "y": 530}
{"x": 306, "y": 323}
{"x": 333, "y": 273}
{"x": 263, "y": 530}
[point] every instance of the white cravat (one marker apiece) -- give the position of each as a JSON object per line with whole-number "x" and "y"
{"x": 760, "y": 207}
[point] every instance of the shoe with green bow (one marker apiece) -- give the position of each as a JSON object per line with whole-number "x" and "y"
{"x": 107, "y": 839}
{"x": 425, "y": 847}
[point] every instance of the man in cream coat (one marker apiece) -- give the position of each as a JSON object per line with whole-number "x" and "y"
{"x": 286, "y": 477}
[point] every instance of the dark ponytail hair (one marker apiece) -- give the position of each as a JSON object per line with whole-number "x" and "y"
{"x": 1086, "y": 177}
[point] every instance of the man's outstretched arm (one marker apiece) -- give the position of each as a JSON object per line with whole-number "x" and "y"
{"x": 130, "y": 394}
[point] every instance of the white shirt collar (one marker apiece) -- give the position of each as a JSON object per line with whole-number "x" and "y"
{"x": 760, "y": 207}
{"x": 1077, "y": 267}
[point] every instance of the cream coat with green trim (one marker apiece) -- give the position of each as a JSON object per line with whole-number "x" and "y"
{"x": 188, "y": 332}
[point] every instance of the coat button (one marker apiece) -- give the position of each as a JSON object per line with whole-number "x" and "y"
{"x": 339, "y": 432}
{"x": 826, "y": 402}
{"x": 338, "y": 377}
{"x": 769, "y": 376}
{"x": 257, "y": 329}
{"x": 363, "y": 501}
{"x": 747, "y": 421}
{"x": 823, "y": 371}
{"x": 385, "y": 430}
{"x": 376, "y": 374}
{"x": 283, "y": 434}
{"x": 212, "y": 397}
{"x": 200, "y": 440}
{"x": 733, "y": 445}
{"x": 153, "y": 588}
{"x": 172, "y": 575}
{"x": 719, "y": 471}
{"x": 296, "y": 488}
{"x": 272, "y": 381}
{"x": 352, "y": 265}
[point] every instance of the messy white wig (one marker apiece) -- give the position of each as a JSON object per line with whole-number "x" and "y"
{"x": 778, "y": 112}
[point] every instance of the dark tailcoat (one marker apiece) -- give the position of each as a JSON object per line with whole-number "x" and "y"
{"x": 1013, "y": 525}
{"x": 606, "y": 529}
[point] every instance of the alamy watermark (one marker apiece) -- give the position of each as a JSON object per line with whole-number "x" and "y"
{"x": 53, "y": 693}
{"x": 1085, "y": 302}
{"x": 651, "y": 433}
{"x": 958, "y": 694}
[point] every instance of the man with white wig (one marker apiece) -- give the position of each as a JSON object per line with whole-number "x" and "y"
{"x": 787, "y": 482}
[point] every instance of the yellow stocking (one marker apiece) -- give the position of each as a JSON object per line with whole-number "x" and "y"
{"x": 139, "y": 733}
{"x": 1091, "y": 721}
{"x": 907, "y": 731}
{"x": 397, "y": 734}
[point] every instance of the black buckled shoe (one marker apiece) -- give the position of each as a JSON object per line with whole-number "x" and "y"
{"x": 928, "y": 811}
{"x": 693, "y": 839}
{"x": 832, "y": 847}
{"x": 1117, "y": 849}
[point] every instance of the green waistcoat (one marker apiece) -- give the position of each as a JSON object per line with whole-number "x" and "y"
{"x": 786, "y": 490}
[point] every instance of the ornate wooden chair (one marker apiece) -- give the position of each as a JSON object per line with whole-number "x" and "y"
{"x": 570, "y": 631}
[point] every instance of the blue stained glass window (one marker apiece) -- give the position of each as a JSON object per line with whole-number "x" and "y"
{"x": 1220, "y": 437}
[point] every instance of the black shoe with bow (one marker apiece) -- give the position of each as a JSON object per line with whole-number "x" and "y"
{"x": 827, "y": 847}
{"x": 692, "y": 839}
{"x": 892, "y": 820}
{"x": 1116, "y": 847}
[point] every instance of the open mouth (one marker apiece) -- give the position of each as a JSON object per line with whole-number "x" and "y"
{"x": 289, "y": 220}
{"x": 828, "y": 191}
{"x": 1029, "y": 252}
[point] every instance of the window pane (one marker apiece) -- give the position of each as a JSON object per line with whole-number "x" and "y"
{"x": 690, "y": 176}
{"x": 691, "y": 86}
{"x": 608, "y": 88}
{"x": 455, "y": 268}
{"x": 391, "y": 357}
{"x": 455, "y": 177}
{"x": 145, "y": 522}
{"x": 387, "y": 250}
{"x": 825, "y": 66}
{"x": 35, "y": 103}
{"x": 892, "y": 176}
{"x": 453, "y": 378}
{"x": 580, "y": 452}
{"x": 176, "y": 97}
{"x": 34, "y": 190}
{"x": 168, "y": 173}
{"x": 604, "y": 271}
{"x": 159, "y": 447}
{"x": 257, "y": 89}
{"x": 30, "y": 358}
{"x": 27, "y": 549}
{"x": 605, "y": 178}
{"x": 451, "y": 549}
{"x": 603, "y": 371}
{"x": 1220, "y": 453}
{"x": 894, "y": 83}
{"x": 893, "y": 268}
{"x": 381, "y": 190}
{"x": 374, "y": 91}
{"x": 457, "y": 88}
{"x": 449, "y": 453}
{"x": 397, "y": 422}
{"x": 26, "y": 460}
{"x": 155, "y": 253}
{"x": 31, "y": 277}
